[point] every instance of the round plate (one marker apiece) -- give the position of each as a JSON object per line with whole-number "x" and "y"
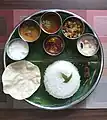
{"x": 37, "y": 56}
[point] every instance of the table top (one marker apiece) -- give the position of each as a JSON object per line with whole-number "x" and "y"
{"x": 10, "y": 18}
{"x": 11, "y": 114}
{"x": 44, "y": 4}
{"x": 77, "y": 114}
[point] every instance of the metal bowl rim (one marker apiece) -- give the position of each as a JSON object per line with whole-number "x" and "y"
{"x": 61, "y": 49}
{"x": 22, "y": 36}
{"x": 12, "y": 40}
{"x": 88, "y": 34}
{"x": 79, "y": 20}
{"x": 55, "y": 12}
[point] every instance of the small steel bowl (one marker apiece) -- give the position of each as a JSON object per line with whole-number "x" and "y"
{"x": 62, "y": 45}
{"x": 73, "y": 18}
{"x": 14, "y": 40}
{"x": 46, "y": 17}
{"x": 89, "y": 39}
{"x": 29, "y": 23}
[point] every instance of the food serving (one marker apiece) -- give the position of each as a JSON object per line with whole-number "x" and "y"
{"x": 87, "y": 45}
{"x": 17, "y": 49}
{"x": 54, "y": 74}
{"x": 29, "y": 30}
{"x": 50, "y": 22}
{"x": 61, "y": 79}
{"x": 54, "y": 45}
{"x": 73, "y": 27}
{"x": 21, "y": 79}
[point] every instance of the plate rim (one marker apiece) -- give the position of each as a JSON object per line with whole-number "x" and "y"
{"x": 101, "y": 66}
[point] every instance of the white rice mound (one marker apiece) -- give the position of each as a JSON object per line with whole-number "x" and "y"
{"x": 54, "y": 82}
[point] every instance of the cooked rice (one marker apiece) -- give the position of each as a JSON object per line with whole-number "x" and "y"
{"x": 54, "y": 82}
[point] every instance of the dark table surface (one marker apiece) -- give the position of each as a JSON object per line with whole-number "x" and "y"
{"x": 44, "y": 4}
{"x": 53, "y": 115}
{"x": 75, "y": 114}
